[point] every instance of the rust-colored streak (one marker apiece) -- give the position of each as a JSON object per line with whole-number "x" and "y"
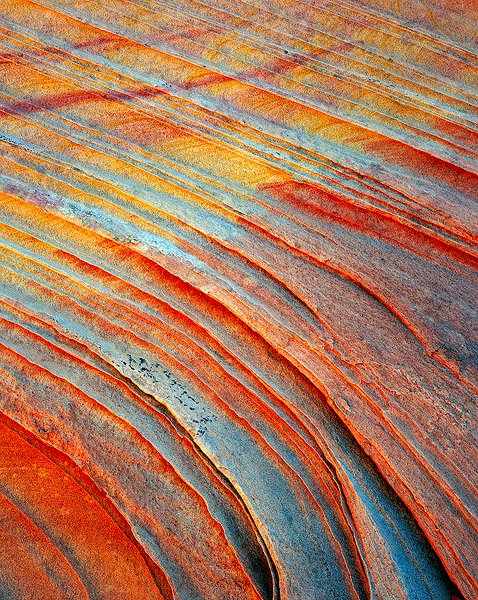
{"x": 63, "y": 528}
{"x": 238, "y": 284}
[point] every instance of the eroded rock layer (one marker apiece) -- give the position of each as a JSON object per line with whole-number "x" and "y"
{"x": 238, "y": 300}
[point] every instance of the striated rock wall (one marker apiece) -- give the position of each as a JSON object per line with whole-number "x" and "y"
{"x": 238, "y": 300}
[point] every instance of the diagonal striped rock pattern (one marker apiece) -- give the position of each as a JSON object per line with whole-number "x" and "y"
{"x": 238, "y": 300}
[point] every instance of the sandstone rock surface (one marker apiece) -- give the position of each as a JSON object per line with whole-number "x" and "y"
{"x": 238, "y": 300}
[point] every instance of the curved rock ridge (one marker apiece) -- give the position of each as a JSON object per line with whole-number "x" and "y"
{"x": 238, "y": 300}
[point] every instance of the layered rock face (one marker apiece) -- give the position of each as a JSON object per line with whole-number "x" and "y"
{"x": 238, "y": 300}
